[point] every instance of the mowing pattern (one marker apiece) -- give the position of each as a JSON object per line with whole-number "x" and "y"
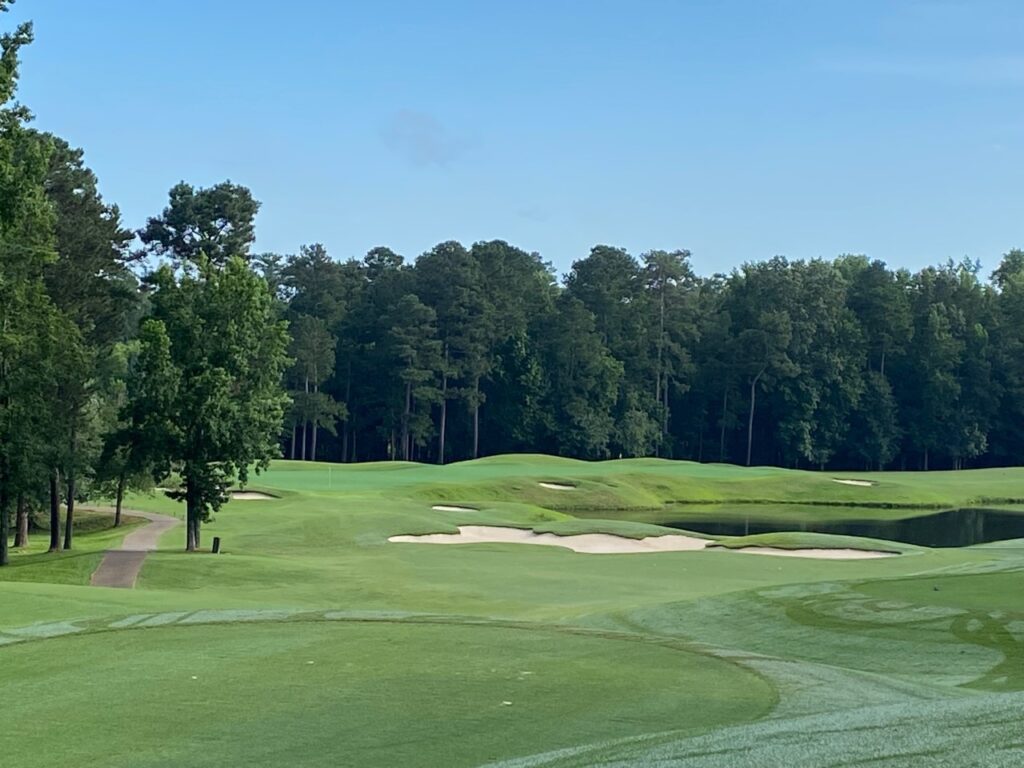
{"x": 368, "y": 690}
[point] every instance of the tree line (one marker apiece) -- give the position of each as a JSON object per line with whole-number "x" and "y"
{"x": 174, "y": 354}
{"x": 843, "y": 363}
{"x": 127, "y": 358}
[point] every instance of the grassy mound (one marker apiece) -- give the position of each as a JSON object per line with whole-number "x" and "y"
{"x": 806, "y": 540}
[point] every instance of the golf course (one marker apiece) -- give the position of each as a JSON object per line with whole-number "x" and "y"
{"x": 313, "y": 640}
{"x": 524, "y": 385}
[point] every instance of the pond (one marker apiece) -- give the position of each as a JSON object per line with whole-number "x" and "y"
{"x": 951, "y": 528}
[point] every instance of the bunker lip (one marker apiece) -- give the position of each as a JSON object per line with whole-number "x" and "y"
{"x": 819, "y": 553}
{"x": 606, "y": 543}
{"x": 858, "y": 483}
{"x": 557, "y": 486}
{"x": 453, "y": 508}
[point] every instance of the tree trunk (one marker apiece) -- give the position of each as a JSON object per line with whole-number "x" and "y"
{"x": 118, "y": 500}
{"x": 5, "y": 502}
{"x": 405, "y": 420}
{"x": 665, "y": 412}
{"x": 444, "y": 408}
{"x": 660, "y": 391}
{"x": 21, "y": 529}
{"x": 69, "y": 519}
{"x": 721, "y": 438}
{"x": 291, "y": 455}
{"x": 750, "y": 420}
{"x": 355, "y": 456}
{"x": 348, "y": 398}
{"x": 305, "y": 425}
{"x": 316, "y": 421}
{"x": 55, "y": 511}
{"x": 190, "y": 515}
{"x": 444, "y": 420}
{"x": 925, "y": 459}
{"x": 476, "y": 418}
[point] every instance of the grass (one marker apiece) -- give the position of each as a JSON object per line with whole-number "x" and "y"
{"x": 356, "y": 693}
{"x": 806, "y": 540}
{"x": 668, "y": 659}
{"x": 94, "y": 534}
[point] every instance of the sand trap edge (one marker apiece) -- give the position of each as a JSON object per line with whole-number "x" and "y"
{"x": 857, "y": 483}
{"x": 607, "y": 544}
{"x": 818, "y": 553}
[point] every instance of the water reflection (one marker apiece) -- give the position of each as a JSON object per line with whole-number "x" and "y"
{"x": 954, "y": 528}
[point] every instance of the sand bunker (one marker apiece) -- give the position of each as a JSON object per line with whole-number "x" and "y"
{"x": 821, "y": 554}
{"x": 588, "y": 543}
{"x": 449, "y": 508}
{"x": 557, "y": 486}
{"x": 858, "y": 483}
{"x": 608, "y": 544}
{"x": 251, "y": 496}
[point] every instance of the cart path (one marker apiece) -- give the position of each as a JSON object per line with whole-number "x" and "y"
{"x": 120, "y": 567}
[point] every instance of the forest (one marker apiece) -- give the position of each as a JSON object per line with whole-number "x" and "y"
{"x": 464, "y": 352}
{"x": 131, "y": 354}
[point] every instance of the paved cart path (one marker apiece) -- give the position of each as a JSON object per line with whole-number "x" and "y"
{"x": 120, "y": 567}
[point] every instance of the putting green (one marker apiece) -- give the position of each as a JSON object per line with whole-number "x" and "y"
{"x": 350, "y": 693}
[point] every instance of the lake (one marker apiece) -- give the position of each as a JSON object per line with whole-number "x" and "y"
{"x": 950, "y": 528}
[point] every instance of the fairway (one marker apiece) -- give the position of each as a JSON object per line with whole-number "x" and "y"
{"x": 314, "y": 641}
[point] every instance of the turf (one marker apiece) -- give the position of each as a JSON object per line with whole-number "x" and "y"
{"x": 357, "y": 693}
{"x": 705, "y": 659}
{"x": 95, "y": 534}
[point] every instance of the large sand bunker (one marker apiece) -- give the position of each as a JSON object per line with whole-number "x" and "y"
{"x": 589, "y": 543}
{"x": 251, "y": 496}
{"x": 452, "y": 508}
{"x": 608, "y": 544}
{"x": 557, "y": 486}
{"x": 858, "y": 483}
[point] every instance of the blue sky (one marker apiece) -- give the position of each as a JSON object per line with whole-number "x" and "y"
{"x": 739, "y": 130}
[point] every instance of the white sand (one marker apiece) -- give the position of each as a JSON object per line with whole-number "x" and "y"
{"x": 557, "y": 486}
{"x": 250, "y": 496}
{"x": 821, "y": 554}
{"x": 588, "y": 543}
{"x": 608, "y": 544}
{"x": 446, "y": 508}
{"x": 858, "y": 483}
